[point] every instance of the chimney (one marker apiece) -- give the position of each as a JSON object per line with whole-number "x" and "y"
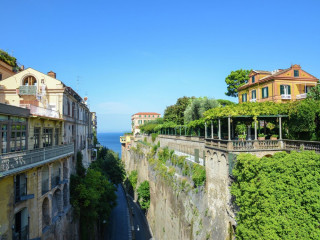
{"x": 52, "y": 74}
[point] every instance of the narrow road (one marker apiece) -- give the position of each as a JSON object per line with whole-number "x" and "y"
{"x": 118, "y": 227}
{"x": 140, "y": 222}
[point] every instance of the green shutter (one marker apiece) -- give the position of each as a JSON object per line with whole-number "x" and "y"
{"x": 281, "y": 89}
{"x": 289, "y": 89}
{"x": 262, "y": 92}
{"x": 267, "y": 92}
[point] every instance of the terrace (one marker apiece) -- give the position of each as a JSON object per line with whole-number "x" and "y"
{"x": 19, "y": 161}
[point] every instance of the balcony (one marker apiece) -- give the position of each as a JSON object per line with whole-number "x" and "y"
{"x": 28, "y": 90}
{"x": 253, "y": 100}
{"x": 122, "y": 139}
{"x": 285, "y": 96}
{"x": 302, "y": 96}
{"x": 39, "y": 111}
{"x": 15, "y": 162}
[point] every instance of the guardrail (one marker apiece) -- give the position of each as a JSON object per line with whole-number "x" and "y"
{"x": 27, "y": 159}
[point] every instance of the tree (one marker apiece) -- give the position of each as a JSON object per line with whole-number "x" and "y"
{"x": 110, "y": 164}
{"x": 314, "y": 93}
{"x": 175, "y": 113}
{"x": 197, "y": 107}
{"x": 235, "y": 80}
{"x": 144, "y": 195}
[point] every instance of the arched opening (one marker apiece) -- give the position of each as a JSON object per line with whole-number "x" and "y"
{"x": 65, "y": 195}
{"x": 29, "y": 81}
{"x": 55, "y": 174}
{"x": 45, "y": 213}
{"x": 56, "y": 203}
{"x": 45, "y": 179}
{"x": 65, "y": 169}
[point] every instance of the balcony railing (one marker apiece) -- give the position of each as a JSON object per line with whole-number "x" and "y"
{"x": 27, "y": 90}
{"x": 302, "y": 96}
{"x": 14, "y": 162}
{"x": 285, "y": 96}
{"x": 35, "y": 110}
{"x": 246, "y": 145}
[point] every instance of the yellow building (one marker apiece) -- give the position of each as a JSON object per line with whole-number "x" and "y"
{"x": 278, "y": 86}
{"x": 34, "y": 176}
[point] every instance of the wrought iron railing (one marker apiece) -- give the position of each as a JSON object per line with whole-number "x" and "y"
{"x": 27, "y": 90}
{"x": 23, "y": 160}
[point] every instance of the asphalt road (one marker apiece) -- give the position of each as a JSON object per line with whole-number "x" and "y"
{"x": 118, "y": 227}
{"x": 141, "y": 228}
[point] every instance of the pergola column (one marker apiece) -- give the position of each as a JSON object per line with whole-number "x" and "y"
{"x": 280, "y": 129}
{"x": 211, "y": 130}
{"x": 229, "y": 129}
{"x": 219, "y": 129}
{"x": 205, "y": 130}
{"x": 255, "y": 130}
{"x": 185, "y": 130}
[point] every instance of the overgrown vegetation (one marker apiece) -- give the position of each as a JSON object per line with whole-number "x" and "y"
{"x": 279, "y": 196}
{"x": 133, "y": 178}
{"x": 144, "y": 195}
{"x": 92, "y": 196}
{"x": 10, "y": 60}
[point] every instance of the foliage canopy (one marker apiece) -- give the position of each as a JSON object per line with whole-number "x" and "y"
{"x": 279, "y": 196}
{"x": 235, "y": 80}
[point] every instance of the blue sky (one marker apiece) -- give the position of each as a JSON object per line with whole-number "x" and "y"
{"x": 133, "y": 56}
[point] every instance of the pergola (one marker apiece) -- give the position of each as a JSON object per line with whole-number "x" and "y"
{"x": 279, "y": 117}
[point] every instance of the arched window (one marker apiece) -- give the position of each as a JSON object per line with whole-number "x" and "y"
{"x": 29, "y": 81}
{"x": 65, "y": 195}
{"x": 45, "y": 179}
{"x": 56, "y": 203}
{"x": 45, "y": 213}
{"x": 55, "y": 174}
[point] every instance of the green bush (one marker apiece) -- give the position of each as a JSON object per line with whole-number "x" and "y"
{"x": 154, "y": 136}
{"x": 279, "y": 196}
{"x": 144, "y": 195}
{"x": 133, "y": 178}
{"x": 198, "y": 175}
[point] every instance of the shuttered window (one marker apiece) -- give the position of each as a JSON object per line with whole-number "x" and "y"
{"x": 265, "y": 92}
{"x": 253, "y": 94}
{"x": 285, "y": 90}
{"x": 253, "y": 79}
{"x": 244, "y": 97}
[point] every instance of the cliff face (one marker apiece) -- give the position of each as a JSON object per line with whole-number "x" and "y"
{"x": 178, "y": 210}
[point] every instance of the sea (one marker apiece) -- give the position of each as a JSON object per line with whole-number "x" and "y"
{"x": 111, "y": 140}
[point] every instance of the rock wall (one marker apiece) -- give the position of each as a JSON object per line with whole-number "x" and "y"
{"x": 180, "y": 213}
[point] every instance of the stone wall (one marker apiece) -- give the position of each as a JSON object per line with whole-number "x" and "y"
{"x": 200, "y": 213}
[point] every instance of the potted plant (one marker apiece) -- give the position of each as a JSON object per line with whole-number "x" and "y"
{"x": 241, "y": 131}
{"x": 274, "y": 137}
{"x": 242, "y": 137}
{"x": 261, "y": 136}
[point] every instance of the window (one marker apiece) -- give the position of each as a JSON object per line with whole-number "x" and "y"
{"x": 253, "y": 79}
{"x": 139, "y": 115}
{"x": 139, "y": 121}
{"x": 265, "y": 92}
{"x": 29, "y": 81}
{"x": 145, "y": 115}
{"x": 20, "y": 187}
{"x": 0, "y": 76}
{"x": 285, "y": 90}
{"x": 253, "y": 94}
{"x": 36, "y": 138}
{"x": 21, "y": 225}
{"x": 4, "y": 138}
{"x": 308, "y": 89}
{"x": 55, "y": 174}
{"x": 56, "y": 137}
{"x": 244, "y": 97}
{"x": 296, "y": 73}
{"x": 18, "y": 137}
{"x": 47, "y": 137}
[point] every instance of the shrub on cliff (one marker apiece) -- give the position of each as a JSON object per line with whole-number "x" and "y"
{"x": 144, "y": 195}
{"x": 133, "y": 178}
{"x": 279, "y": 196}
